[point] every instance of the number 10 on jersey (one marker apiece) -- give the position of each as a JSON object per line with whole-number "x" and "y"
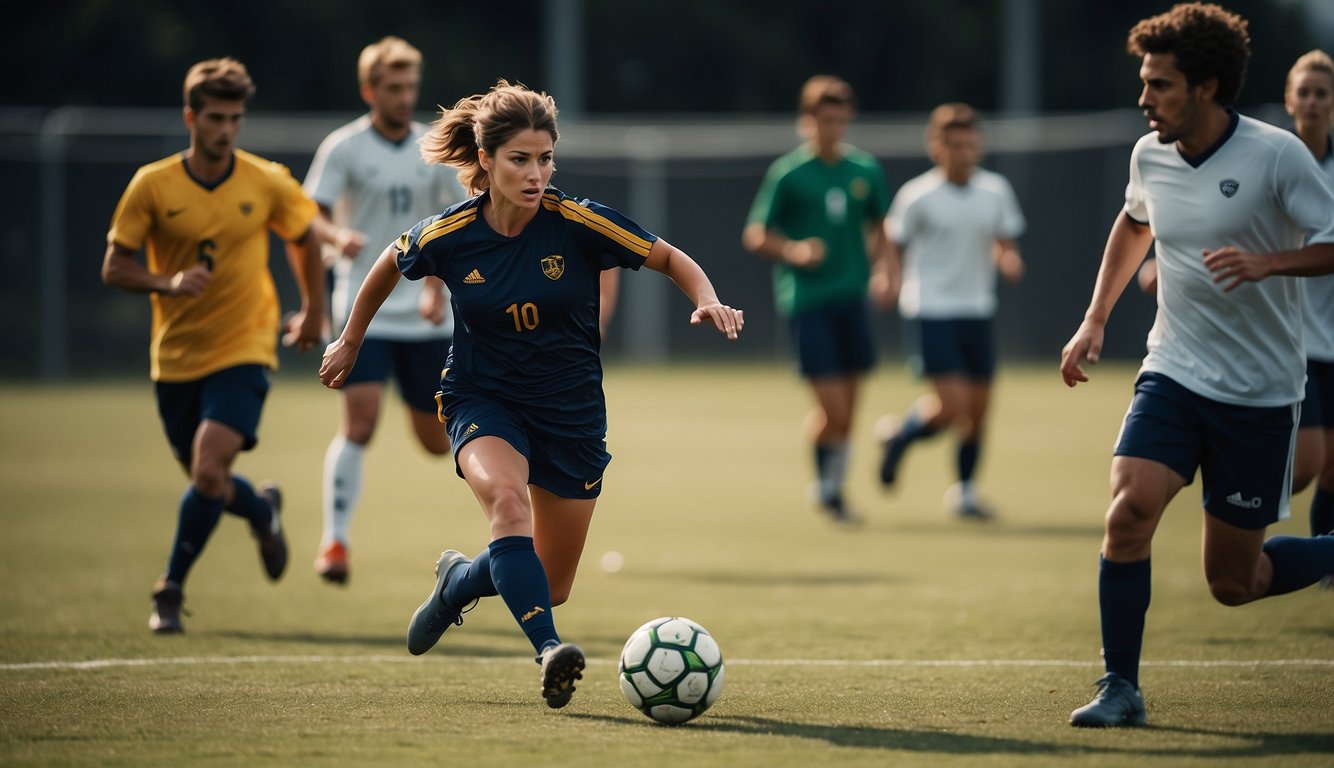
{"x": 525, "y": 316}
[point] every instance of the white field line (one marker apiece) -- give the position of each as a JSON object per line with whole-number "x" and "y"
{"x": 94, "y": 664}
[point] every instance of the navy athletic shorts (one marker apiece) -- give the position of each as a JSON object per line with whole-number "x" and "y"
{"x": 1318, "y": 407}
{"x": 833, "y": 340}
{"x": 415, "y": 366}
{"x": 951, "y": 347}
{"x": 569, "y": 468}
{"x": 232, "y": 396}
{"x": 1244, "y": 454}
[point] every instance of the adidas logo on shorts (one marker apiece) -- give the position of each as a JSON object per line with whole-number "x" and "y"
{"x": 1237, "y": 501}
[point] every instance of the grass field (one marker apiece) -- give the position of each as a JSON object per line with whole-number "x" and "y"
{"x": 913, "y": 640}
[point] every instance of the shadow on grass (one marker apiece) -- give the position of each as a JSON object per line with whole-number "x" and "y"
{"x": 395, "y": 641}
{"x": 1129, "y": 741}
{"x": 759, "y": 578}
{"x": 1001, "y": 528}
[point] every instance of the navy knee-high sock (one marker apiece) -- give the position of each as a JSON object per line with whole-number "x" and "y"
{"x": 197, "y": 517}
{"x": 522, "y": 584}
{"x": 965, "y": 459}
{"x": 914, "y": 427}
{"x": 247, "y": 504}
{"x": 1322, "y": 511}
{"x": 1123, "y": 597}
{"x": 471, "y": 583}
{"x": 1298, "y": 561}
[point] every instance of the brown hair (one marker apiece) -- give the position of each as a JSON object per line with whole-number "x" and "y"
{"x": 224, "y": 79}
{"x": 1208, "y": 42}
{"x": 947, "y": 116}
{"x": 1311, "y": 61}
{"x": 824, "y": 89}
{"x": 486, "y": 121}
{"x": 388, "y": 53}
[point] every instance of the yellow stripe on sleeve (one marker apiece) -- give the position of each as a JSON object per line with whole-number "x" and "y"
{"x": 575, "y": 212}
{"x": 446, "y": 225}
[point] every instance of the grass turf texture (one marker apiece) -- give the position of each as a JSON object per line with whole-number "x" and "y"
{"x": 915, "y": 639}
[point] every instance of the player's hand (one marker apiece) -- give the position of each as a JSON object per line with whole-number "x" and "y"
{"x": 349, "y": 241}
{"x": 302, "y": 331}
{"x": 1235, "y": 267}
{"x": 1010, "y": 265}
{"x": 724, "y": 318}
{"x": 190, "y": 282}
{"x": 1084, "y": 347}
{"x": 1147, "y": 277}
{"x": 804, "y": 254}
{"x": 884, "y": 288}
{"x": 339, "y": 357}
{"x": 432, "y": 305}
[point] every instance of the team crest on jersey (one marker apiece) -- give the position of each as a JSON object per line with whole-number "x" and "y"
{"x": 860, "y": 189}
{"x": 1229, "y": 187}
{"x": 246, "y": 208}
{"x": 553, "y": 266}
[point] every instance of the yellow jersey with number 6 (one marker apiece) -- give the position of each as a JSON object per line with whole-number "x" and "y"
{"x": 181, "y": 221}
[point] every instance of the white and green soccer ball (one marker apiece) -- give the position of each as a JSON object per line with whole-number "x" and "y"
{"x": 671, "y": 670}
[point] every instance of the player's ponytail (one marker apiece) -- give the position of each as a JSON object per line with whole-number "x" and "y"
{"x": 451, "y": 141}
{"x": 486, "y": 121}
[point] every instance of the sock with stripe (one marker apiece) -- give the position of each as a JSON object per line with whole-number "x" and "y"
{"x": 522, "y": 583}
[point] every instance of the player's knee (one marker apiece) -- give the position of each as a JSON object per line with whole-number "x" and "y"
{"x": 1129, "y": 523}
{"x": 436, "y": 447}
{"x": 360, "y": 434}
{"x": 209, "y": 481}
{"x": 1230, "y": 591}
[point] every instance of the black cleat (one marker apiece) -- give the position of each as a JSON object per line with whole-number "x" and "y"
{"x": 272, "y": 542}
{"x": 166, "y": 616}
{"x": 561, "y": 666}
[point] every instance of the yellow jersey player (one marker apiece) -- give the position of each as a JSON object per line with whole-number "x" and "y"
{"x": 202, "y": 218}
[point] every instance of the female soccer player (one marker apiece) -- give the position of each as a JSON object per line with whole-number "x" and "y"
{"x": 521, "y": 395}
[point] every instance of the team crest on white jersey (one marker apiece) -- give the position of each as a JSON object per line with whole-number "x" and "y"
{"x": 553, "y": 266}
{"x": 1229, "y": 187}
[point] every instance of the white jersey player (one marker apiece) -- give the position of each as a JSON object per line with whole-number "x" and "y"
{"x": 1235, "y": 209}
{"x": 956, "y": 226}
{"x": 369, "y": 177}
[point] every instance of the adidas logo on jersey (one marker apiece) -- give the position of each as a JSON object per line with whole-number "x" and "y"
{"x": 1237, "y": 501}
{"x": 474, "y": 278}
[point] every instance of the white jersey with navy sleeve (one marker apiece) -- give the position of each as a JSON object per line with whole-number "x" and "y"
{"x": 380, "y": 188}
{"x": 947, "y": 231}
{"x": 1318, "y": 300}
{"x": 1259, "y": 190}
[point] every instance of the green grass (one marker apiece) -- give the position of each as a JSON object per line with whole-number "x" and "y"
{"x": 831, "y": 636}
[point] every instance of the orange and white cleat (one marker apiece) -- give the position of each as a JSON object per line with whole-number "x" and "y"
{"x": 331, "y": 565}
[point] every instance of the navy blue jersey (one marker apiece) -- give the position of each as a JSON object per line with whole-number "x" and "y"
{"x": 526, "y": 307}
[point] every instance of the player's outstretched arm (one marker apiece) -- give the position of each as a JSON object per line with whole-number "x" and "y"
{"x": 690, "y": 278}
{"x": 342, "y": 353}
{"x": 1127, "y": 245}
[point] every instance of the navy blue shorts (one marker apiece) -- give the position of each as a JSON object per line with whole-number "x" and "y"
{"x": 1244, "y": 454}
{"x": 415, "y": 365}
{"x": 951, "y": 347}
{"x": 1318, "y": 407}
{"x": 568, "y": 468}
{"x": 232, "y": 396}
{"x": 833, "y": 341}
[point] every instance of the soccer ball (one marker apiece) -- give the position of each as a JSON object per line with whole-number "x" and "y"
{"x": 671, "y": 670}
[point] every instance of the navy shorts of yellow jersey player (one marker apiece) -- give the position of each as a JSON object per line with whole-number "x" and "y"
{"x": 233, "y": 396}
